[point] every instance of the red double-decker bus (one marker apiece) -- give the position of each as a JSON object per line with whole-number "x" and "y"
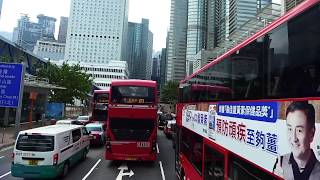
{"x": 132, "y": 121}
{"x": 268, "y": 127}
{"x": 100, "y": 101}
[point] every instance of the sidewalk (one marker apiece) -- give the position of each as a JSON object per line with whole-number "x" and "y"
{"x": 7, "y": 134}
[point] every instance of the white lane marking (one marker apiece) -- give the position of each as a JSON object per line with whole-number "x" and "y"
{"x": 87, "y": 175}
{"x": 158, "y": 149}
{"x": 1, "y": 157}
{"x": 162, "y": 172}
{"x": 5, "y": 174}
{"x": 7, "y": 148}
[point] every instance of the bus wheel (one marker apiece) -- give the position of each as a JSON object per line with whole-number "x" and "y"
{"x": 65, "y": 169}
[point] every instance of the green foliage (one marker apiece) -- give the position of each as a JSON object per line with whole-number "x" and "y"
{"x": 169, "y": 92}
{"x": 4, "y": 58}
{"x": 77, "y": 83}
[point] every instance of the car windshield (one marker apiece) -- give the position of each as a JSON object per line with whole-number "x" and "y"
{"x": 94, "y": 128}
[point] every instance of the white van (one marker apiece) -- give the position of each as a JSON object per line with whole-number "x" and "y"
{"x": 49, "y": 151}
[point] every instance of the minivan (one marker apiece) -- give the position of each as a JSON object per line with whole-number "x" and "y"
{"x": 48, "y": 152}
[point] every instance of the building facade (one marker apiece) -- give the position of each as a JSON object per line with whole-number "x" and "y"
{"x": 102, "y": 75}
{"x": 176, "y": 42}
{"x": 289, "y": 4}
{"x": 97, "y": 32}
{"x": 139, "y": 50}
{"x": 196, "y": 30}
{"x": 163, "y": 65}
{"x": 63, "y": 27}
{"x": 50, "y": 49}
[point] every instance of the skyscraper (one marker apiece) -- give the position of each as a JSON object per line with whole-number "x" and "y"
{"x": 177, "y": 36}
{"x": 96, "y": 35}
{"x": 96, "y": 30}
{"x": 240, "y": 11}
{"x": 63, "y": 27}
{"x": 196, "y": 31}
{"x": 27, "y": 33}
{"x": 47, "y": 24}
{"x": 163, "y": 65}
{"x": 139, "y": 50}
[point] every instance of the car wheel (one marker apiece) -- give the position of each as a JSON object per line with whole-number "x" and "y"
{"x": 65, "y": 169}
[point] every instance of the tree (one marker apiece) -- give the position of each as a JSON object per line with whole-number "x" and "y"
{"x": 77, "y": 83}
{"x": 169, "y": 92}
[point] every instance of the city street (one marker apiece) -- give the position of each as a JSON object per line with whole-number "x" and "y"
{"x": 95, "y": 167}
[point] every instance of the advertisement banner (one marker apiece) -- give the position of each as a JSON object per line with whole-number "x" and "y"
{"x": 262, "y": 132}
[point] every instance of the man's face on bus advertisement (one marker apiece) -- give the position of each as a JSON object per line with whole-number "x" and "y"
{"x": 300, "y": 135}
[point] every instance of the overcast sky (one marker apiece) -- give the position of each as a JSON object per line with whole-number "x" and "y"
{"x": 157, "y": 11}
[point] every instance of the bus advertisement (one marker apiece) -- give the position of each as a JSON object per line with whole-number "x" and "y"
{"x": 99, "y": 105}
{"x": 269, "y": 126}
{"x": 132, "y": 121}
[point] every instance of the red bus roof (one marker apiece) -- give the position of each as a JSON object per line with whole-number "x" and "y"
{"x": 135, "y": 82}
{"x": 292, "y": 13}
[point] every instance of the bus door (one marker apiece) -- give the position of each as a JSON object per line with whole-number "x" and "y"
{"x": 215, "y": 161}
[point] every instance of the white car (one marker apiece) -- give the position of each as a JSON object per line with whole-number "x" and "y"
{"x": 84, "y": 119}
{"x": 69, "y": 122}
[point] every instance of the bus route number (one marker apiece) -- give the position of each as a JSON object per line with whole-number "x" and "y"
{"x": 143, "y": 144}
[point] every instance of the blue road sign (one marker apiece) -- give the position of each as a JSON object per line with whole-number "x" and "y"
{"x": 10, "y": 80}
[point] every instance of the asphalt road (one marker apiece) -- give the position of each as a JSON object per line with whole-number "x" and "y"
{"x": 95, "y": 167}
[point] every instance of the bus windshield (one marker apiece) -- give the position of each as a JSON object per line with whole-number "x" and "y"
{"x": 132, "y": 95}
{"x": 101, "y": 98}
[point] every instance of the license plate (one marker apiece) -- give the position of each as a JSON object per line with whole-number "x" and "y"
{"x": 131, "y": 159}
{"x": 143, "y": 144}
{"x": 33, "y": 162}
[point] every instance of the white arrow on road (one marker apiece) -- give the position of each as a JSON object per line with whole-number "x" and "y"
{"x": 122, "y": 168}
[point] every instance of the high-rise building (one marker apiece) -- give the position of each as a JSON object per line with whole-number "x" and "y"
{"x": 97, "y": 31}
{"x": 47, "y": 24}
{"x": 27, "y": 33}
{"x": 139, "y": 50}
{"x": 196, "y": 31}
{"x": 163, "y": 65}
{"x": 155, "y": 68}
{"x": 240, "y": 11}
{"x": 176, "y": 43}
{"x": 63, "y": 27}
